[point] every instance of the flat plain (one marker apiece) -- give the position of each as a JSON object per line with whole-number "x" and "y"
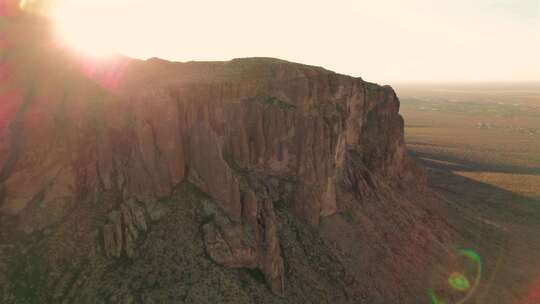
{"x": 480, "y": 145}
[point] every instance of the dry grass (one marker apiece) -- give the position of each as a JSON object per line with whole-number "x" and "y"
{"x": 523, "y": 184}
{"x": 481, "y": 148}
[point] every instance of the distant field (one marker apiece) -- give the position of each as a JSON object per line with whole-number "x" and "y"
{"x": 498, "y": 127}
{"x": 481, "y": 147}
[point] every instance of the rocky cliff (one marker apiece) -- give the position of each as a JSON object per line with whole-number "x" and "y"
{"x": 294, "y": 173}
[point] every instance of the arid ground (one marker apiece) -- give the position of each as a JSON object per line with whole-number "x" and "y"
{"x": 480, "y": 145}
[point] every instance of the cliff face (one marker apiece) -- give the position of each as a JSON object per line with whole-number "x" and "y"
{"x": 91, "y": 150}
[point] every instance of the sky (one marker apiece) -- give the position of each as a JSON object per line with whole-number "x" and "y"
{"x": 384, "y": 41}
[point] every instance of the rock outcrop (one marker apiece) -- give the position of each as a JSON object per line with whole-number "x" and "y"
{"x": 126, "y": 225}
{"x": 250, "y": 133}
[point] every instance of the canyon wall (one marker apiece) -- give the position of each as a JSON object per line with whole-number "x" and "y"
{"x": 122, "y": 135}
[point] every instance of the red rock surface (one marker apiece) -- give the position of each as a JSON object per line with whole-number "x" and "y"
{"x": 249, "y": 133}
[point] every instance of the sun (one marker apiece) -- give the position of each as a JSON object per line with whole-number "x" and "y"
{"x": 92, "y": 27}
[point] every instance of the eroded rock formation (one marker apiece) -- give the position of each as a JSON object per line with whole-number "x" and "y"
{"x": 115, "y": 137}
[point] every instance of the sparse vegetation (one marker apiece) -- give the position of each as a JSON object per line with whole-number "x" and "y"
{"x": 482, "y": 157}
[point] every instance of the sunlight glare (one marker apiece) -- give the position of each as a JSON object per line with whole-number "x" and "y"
{"x": 91, "y": 27}
{"x": 426, "y": 31}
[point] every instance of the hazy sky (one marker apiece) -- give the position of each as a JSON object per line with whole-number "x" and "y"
{"x": 383, "y": 41}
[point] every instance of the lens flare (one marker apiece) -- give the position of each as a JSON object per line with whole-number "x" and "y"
{"x": 40, "y": 7}
{"x": 95, "y": 28}
{"x": 459, "y": 288}
{"x": 533, "y": 295}
{"x": 459, "y": 282}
